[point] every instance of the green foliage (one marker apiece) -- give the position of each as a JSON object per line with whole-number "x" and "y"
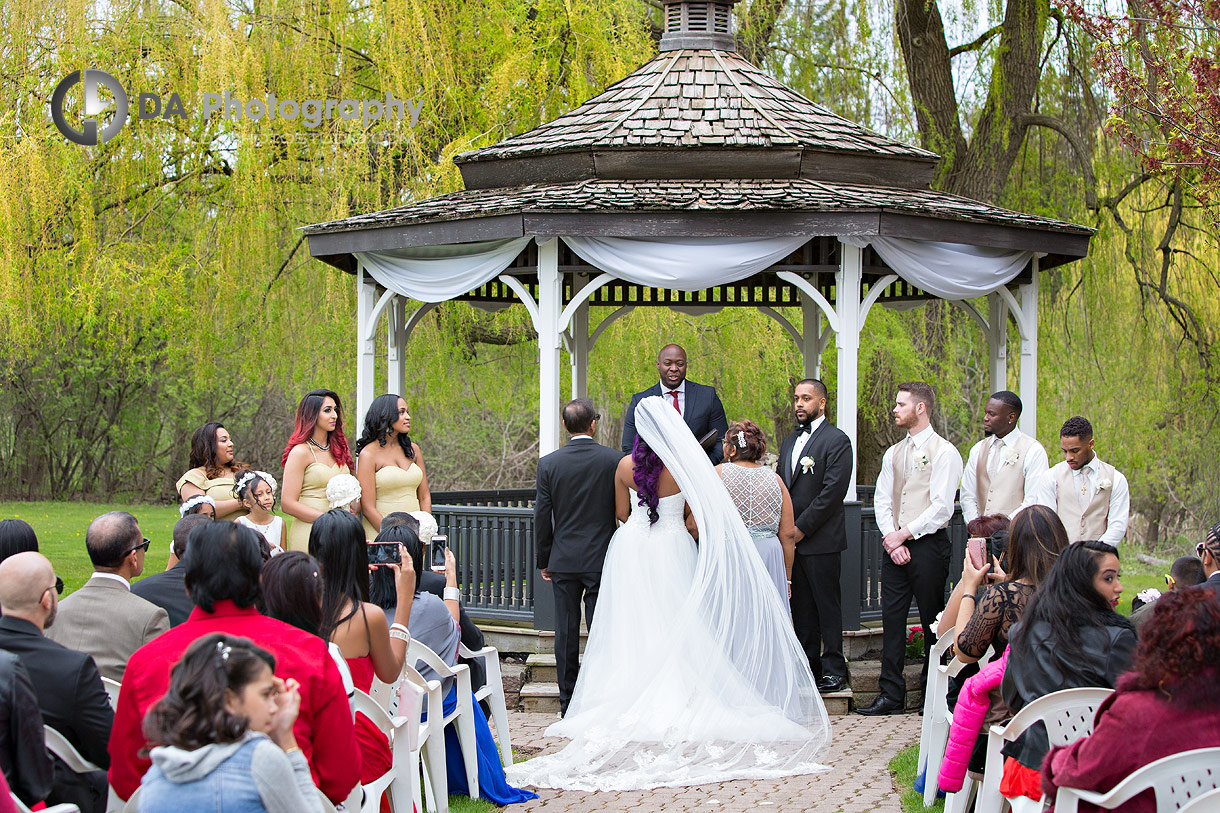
{"x": 903, "y": 768}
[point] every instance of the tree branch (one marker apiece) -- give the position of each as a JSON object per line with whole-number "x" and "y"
{"x": 984, "y": 38}
{"x": 1078, "y": 147}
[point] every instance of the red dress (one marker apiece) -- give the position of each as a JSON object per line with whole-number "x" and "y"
{"x": 375, "y": 756}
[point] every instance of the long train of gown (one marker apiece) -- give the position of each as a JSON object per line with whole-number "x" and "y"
{"x": 659, "y": 701}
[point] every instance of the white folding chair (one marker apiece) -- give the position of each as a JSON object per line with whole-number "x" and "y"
{"x": 493, "y": 692}
{"x": 112, "y": 690}
{"x": 1067, "y": 715}
{"x": 395, "y": 730}
{"x": 61, "y": 808}
{"x": 933, "y": 728}
{"x": 959, "y": 801}
{"x": 1207, "y": 803}
{"x": 1175, "y": 779}
{"x": 58, "y": 745}
{"x": 133, "y": 804}
{"x": 462, "y": 716}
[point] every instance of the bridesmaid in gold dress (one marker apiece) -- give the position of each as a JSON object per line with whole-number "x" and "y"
{"x": 391, "y": 468}
{"x": 316, "y": 452}
{"x": 213, "y": 471}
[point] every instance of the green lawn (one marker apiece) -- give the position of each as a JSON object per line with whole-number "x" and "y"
{"x": 902, "y": 769}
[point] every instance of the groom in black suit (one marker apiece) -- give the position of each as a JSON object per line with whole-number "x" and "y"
{"x": 573, "y": 522}
{"x": 698, "y": 404}
{"x": 815, "y": 464}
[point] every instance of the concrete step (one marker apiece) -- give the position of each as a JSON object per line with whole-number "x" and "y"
{"x": 838, "y": 703}
{"x": 542, "y": 667}
{"x": 540, "y": 697}
{"x": 523, "y": 639}
{"x": 864, "y": 677}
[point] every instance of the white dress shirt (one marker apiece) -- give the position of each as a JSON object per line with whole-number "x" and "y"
{"x": 799, "y": 444}
{"x": 1084, "y": 481}
{"x": 115, "y": 576}
{"x": 1036, "y": 463}
{"x": 946, "y": 474}
{"x": 669, "y": 399}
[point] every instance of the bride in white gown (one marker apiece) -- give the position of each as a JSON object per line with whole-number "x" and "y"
{"x": 692, "y": 673}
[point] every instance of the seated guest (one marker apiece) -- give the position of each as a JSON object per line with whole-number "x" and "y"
{"x": 1186, "y": 571}
{"x": 71, "y": 697}
{"x": 104, "y": 618}
{"x": 1209, "y": 554}
{"x": 979, "y": 527}
{"x": 222, "y": 570}
{"x": 168, "y": 589}
{"x": 434, "y": 623}
{"x": 1166, "y": 705}
{"x": 224, "y": 735}
{"x": 359, "y": 628}
{"x": 1070, "y": 636}
{"x": 24, "y": 759}
{"x": 16, "y": 536}
{"x": 382, "y": 592}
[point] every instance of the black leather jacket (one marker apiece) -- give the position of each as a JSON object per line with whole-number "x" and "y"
{"x": 1042, "y": 664}
{"x": 23, "y": 750}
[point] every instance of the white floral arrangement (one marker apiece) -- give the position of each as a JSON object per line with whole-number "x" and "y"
{"x": 921, "y": 461}
{"x": 806, "y": 463}
{"x": 1104, "y": 485}
{"x": 427, "y": 525}
{"x": 1148, "y": 596}
{"x": 1011, "y": 456}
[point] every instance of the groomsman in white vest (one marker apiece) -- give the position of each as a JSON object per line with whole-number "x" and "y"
{"x": 1091, "y": 497}
{"x": 1004, "y": 468}
{"x": 913, "y": 503}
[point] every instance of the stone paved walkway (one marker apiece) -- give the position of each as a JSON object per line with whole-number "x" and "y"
{"x": 858, "y": 781}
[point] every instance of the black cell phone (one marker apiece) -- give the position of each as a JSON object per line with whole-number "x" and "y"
{"x": 384, "y": 553}
{"x": 439, "y": 543}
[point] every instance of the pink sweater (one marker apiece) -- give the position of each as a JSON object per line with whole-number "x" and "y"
{"x": 972, "y": 705}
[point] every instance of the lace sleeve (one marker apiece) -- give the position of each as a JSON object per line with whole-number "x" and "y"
{"x": 980, "y": 631}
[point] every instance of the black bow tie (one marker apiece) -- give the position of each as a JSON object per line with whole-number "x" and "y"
{"x": 802, "y": 428}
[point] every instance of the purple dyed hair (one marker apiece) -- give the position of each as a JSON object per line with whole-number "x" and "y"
{"x": 647, "y": 471}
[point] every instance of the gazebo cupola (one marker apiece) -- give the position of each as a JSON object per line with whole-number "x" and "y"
{"x": 697, "y": 182}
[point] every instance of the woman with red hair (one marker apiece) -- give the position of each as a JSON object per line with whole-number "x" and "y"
{"x": 316, "y": 452}
{"x": 1168, "y": 704}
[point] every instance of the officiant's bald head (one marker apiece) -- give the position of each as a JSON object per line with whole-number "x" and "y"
{"x": 671, "y": 365}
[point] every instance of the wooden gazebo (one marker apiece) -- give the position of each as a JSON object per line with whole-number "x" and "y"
{"x": 697, "y": 182}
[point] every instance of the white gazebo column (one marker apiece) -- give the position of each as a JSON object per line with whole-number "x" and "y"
{"x": 847, "y": 306}
{"x": 1029, "y": 353}
{"x": 813, "y": 338}
{"x": 396, "y": 346}
{"x": 366, "y": 362}
{"x": 997, "y": 341}
{"x": 579, "y": 347}
{"x": 550, "y": 306}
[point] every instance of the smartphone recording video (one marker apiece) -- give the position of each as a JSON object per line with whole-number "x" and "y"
{"x": 384, "y": 553}
{"x": 977, "y": 550}
{"x": 439, "y": 543}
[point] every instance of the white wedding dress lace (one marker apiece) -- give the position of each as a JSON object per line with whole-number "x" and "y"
{"x": 692, "y": 673}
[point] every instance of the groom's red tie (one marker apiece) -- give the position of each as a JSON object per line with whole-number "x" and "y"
{"x": 674, "y": 395}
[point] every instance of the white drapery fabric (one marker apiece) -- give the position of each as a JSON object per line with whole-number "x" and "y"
{"x": 441, "y": 273}
{"x": 685, "y": 263}
{"x": 951, "y": 271}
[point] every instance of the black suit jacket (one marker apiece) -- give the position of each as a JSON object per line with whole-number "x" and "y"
{"x": 574, "y": 507}
{"x": 69, "y": 688}
{"x": 817, "y": 496}
{"x": 703, "y": 413}
{"x": 168, "y": 591}
{"x": 24, "y": 758}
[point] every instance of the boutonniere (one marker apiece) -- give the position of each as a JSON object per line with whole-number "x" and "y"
{"x": 1148, "y": 596}
{"x": 1103, "y": 485}
{"x": 1011, "y": 456}
{"x": 806, "y": 464}
{"x": 921, "y": 461}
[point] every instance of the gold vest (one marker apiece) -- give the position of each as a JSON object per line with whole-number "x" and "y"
{"x": 1003, "y": 493}
{"x": 1091, "y": 522}
{"x": 913, "y": 495}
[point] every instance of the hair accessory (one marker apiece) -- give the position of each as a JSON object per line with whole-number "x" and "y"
{"x": 251, "y": 475}
{"x": 222, "y": 651}
{"x": 191, "y": 502}
{"x": 427, "y": 525}
{"x": 342, "y": 490}
{"x": 741, "y": 439}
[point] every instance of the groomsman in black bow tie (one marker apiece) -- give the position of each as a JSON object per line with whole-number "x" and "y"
{"x": 698, "y": 404}
{"x": 815, "y": 463}
{"x": 573, "y": 522}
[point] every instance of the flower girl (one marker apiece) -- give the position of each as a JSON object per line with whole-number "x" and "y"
{"x": 256, "y": 491}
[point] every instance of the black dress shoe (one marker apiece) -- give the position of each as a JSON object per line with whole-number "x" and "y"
{"x": 882, "y": 705}
{"x": 828, "y": 684}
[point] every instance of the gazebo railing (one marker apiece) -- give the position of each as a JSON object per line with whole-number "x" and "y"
{"x": 491, "y": 534}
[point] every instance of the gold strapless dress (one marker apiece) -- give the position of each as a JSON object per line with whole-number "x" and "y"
{"x": 313, "y": 494}
{"x": 397, "y": 490}
{"x": 219, "y": 489}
